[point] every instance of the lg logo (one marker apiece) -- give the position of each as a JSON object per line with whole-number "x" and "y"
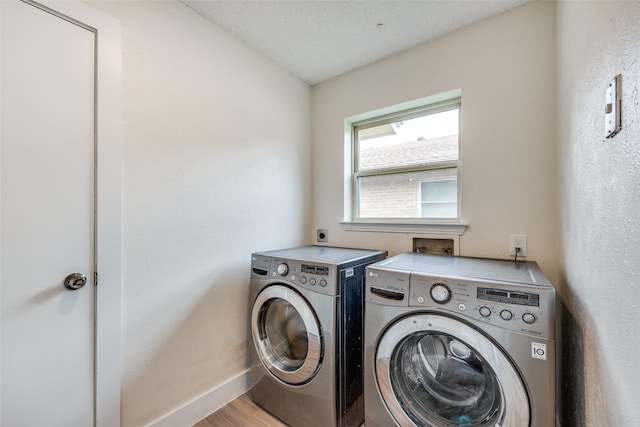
{"x": 539, "y": 350}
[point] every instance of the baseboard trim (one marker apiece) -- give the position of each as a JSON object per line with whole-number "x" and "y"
{"x": 202, "y": 406}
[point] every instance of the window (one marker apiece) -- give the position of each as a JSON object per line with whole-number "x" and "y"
{"x": 405, "y": 165}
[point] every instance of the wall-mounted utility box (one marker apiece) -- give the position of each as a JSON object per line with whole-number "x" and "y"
{"x": 433, "y": 246}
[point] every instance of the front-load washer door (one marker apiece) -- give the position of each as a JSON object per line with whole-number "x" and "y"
{"x": 286, "y": 334}
{"x": 433, "y": 370}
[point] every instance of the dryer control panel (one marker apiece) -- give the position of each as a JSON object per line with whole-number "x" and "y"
{"x": 314, "y": 276}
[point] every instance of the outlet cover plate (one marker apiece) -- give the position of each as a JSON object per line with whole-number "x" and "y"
{"x": 323, "y": 235}
{"x": 518, "y": 241}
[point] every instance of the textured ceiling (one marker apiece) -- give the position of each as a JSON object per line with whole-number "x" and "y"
{"x": 320, "y": 39}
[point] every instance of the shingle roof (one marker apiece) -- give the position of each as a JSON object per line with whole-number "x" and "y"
{"x": 410, "y": 153}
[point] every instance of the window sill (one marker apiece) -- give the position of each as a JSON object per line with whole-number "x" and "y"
{"x": 405, "y": 227}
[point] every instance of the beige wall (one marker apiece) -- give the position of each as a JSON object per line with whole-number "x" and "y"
{"x": 599, "y": 183}
{"x": 505, "y": 67}
{"x": 215, "y": 166}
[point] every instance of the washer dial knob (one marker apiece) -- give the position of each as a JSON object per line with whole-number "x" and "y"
{"x": 283, "y": 269}
{"x": 485, "y": 311}
{"x": 506, "y": 315}
{"x": 529, "y": 318}
{"x": 440, "y": 293}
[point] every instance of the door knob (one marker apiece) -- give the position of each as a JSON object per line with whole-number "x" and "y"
{"x": 75, "y": 281}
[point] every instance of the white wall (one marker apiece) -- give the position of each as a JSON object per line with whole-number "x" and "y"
{"x": 216, "y": 166}
{"x": 505, "y": 67}
{"x": 599, "y": 213}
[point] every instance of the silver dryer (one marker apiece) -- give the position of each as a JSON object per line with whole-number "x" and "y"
{"x": 306, "y": 328}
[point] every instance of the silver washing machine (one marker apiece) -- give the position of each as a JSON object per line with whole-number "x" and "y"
{"x": 306, "y": 328}
{"x": 456, "y": 341}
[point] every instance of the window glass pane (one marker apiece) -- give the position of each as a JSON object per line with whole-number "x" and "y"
{"x": 399, "y": 195}
{"x": 439, "y": 191}
{"x": 438, "y": 198}
{"x": 408, "y": 142}
{"x": 439, "y": 210}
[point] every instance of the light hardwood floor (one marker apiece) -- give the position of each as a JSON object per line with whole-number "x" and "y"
{"x": 241, "y": 412}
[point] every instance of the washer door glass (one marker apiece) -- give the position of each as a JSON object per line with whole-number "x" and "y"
{"x": 286, "y": 334}
{"x": 436, "y": 371}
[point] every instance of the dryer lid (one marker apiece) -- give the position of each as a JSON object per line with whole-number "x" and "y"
{"x": 327, "y": 255}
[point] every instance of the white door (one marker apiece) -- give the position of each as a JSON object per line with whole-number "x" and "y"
{"x": 47, "y": 219}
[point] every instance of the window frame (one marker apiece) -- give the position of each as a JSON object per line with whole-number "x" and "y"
{"x": 454, "y": 103}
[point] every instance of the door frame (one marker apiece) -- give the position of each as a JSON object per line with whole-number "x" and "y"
{"x": 108, "y": 213}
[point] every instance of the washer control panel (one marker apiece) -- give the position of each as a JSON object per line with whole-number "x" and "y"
{"x": 509, "y": 296}
{"x": 515, "y": 307}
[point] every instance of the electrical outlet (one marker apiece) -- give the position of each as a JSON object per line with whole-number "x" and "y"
{"x": 323, "y": 235}
{"x": 518, "y": 241}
